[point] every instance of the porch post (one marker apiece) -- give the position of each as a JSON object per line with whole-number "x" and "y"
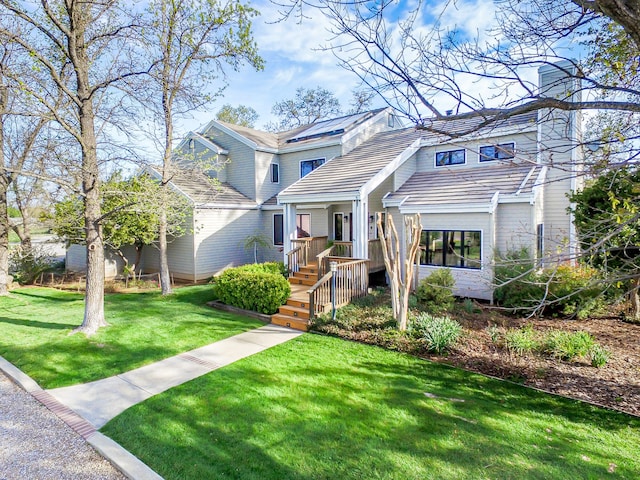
{"x": 359, "y": 210}
{"x": 288, "y": 227}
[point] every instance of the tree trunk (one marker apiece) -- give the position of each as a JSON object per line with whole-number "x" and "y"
{"x": 165, "y": 277}
{"x": 94, "y": 293}
{"x": 400, "y": 280}
{"x": 635, "y": 300}
{"x": 4, "y": 215}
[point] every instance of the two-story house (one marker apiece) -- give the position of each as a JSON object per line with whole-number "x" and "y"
{"x": 490, "y": 191}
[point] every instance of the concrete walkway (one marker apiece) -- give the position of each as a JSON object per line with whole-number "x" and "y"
{"x": 100, "y": 401}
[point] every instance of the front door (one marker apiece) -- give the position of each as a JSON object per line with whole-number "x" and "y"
{"x": 341, "y": 227}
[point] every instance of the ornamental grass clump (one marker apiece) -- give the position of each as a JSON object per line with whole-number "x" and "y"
{"x": 521, "y": 340}
{"x": 439, "y": 333}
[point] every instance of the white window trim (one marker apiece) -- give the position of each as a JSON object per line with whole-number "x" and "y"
{"x": 324, "y": 161}
{"x": 435, "y": 156}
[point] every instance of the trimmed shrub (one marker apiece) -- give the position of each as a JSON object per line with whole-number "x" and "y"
{"x": 252, "y": 289}
{"x": 439, "y": 333}
{"x": 435, "y": 292}
{"x": 277, "y": 268}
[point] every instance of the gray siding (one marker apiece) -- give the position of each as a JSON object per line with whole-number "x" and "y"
{"x": 240, "y": 171}
{"x": 290, "y": 162}
{"x": 525, "y": 147}
{"x": 265, "y": 189}
{"x": 405, "y": 172}
{"x": 219, "y": 239}
{"x": 380, "y": 124}
{"x": 559, "y": 150}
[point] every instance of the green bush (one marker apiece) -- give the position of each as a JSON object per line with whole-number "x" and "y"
{"x": 568, "y": 345}
{"x": 277, "y": 268}
{"x": 599, "y": 356}
{"x": 439, "y": 333}
{"x": 565, "y": 290}
{"x": 521, "y": 340}
{"x": 435, "y": 292}
{"x": 252, "y": 288}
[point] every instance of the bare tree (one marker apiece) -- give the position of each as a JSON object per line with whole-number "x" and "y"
{"x": 427, "y": 69}
{"x": 192, "y": 41}
{"x": 81, "y": 48}
{"x": 241, "y": 115}
{"x": 307, "y": 106}
{"x": 400, "y": 269}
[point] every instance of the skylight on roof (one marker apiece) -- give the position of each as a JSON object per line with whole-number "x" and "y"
{"x": 334, "y": 126}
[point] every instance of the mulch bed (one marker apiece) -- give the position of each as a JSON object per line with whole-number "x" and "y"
{"x": 615, "y": 385}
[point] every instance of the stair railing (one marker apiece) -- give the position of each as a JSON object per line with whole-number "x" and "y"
{"x": 293, "y": 259}
{"x": 352, "y": 281}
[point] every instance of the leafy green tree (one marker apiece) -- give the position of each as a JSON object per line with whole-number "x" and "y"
{"x": 131, "y": 216}
{"x": 240, "y": 115}
{"x": 607, "y": 217}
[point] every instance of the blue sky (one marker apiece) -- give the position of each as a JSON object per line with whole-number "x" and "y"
{"x": 293, "y": 57}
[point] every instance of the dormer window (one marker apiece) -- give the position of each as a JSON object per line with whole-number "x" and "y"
{"x": 390, "y": 120}
{"x": 502, "y": 151}
{"x": 275, "y": 173}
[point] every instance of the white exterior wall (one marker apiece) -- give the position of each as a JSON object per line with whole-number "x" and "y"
{"x": 515, "y": 228}
{"x": 469, "y": 282}
{"x": 76, "y": 261}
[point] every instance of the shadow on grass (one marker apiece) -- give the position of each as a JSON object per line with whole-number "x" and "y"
{"x": 317, "y": 407}
{"x": 37, "y": 323}
{"x": 49, "y": 295}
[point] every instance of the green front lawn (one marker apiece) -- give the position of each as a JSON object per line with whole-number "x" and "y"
{"x": 323, "y": 408}
{"x": 144, "y": 327}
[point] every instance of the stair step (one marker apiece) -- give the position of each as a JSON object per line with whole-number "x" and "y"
{"x": 298, "y": 302}
{"x": 308, "y": 270}
{"x": 294, "y": 311}
{"x": 291, "y": 322}
{"x": 295, "y": 280}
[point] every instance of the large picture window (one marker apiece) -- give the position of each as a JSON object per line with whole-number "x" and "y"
{"x": 308, "y": 166}
{"x": 451, "y": 248}
{"x": 450, "y": 157}
{"x": 502, "y": 151}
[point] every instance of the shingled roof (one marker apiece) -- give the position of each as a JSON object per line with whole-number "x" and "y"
{"x": 202, "y": 191}
{"x": 466, "y": 186}
{"x": 349, "y": 173}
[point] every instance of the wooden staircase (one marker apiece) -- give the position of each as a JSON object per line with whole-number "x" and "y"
{"x": 295, "y": 313}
